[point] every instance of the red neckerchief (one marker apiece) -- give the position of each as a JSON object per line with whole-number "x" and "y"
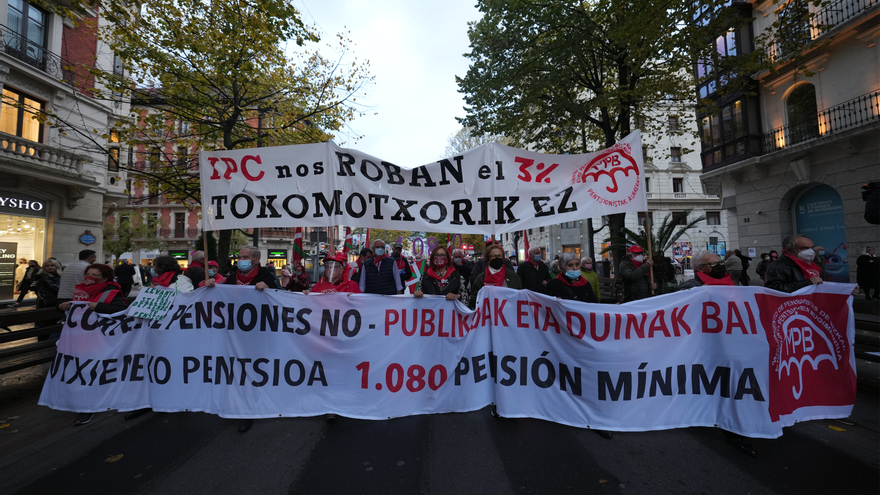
{"x": 377, "y": 260}
{"x": 91, "y": 292}
{"x": 218, "y": 278}
{"x": 325, "y": 286}
{"x": 536, "y": 263}
{"x": 494, "y": 279}
{"x": 242, "y": 279}
{"x": 707, "y": 280}
{"x": 809, "y": 269}
{"x": 401, "y": 263}
{"x": 581, "y": 281}
{"x": 197, "y": 263}
{"x": 637, "y": 263}
{"x": 165, "y": 279}
{"x": 449, "y": 271}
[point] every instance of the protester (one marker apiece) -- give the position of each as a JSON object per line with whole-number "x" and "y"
{"x": 795, "y": 269}
{"x": 773, "y": 255}
{"x": 30, "y": 276}
{"x": 513, "y": 260}
{"x": 380, "y": 274}
{"x": 403, "y": 267}
{"x": 761, "y": 269}
{"x": 146, "y": 275}
{"x": 708, "y": 270}
{"x": 744, "y": 273}
{"x": 285, "y": 275}
{"x": 46, "y": 285}
{"x": 125, "y": 276}
{"x": 440, "y": 277}
{"x": 555, "y": 268}
{"x": 534, "y": 273}
{"x": 461, "y": 264}
{"x": 299, "y": 281}
{"x": 167, "y": 273}
{"x": 734, "y": 266}
{"x": 196, "y": 270}
{"x": 249, "y": 272}
{"x": 480, "y": 264}
{"x": 819, "y": 260}
{"x": 592, "y": 277}
{"x": 74, "y": 274}
{"x": 496, "y": 274}
{"x": 213, "y": 273}
{"x": 570, "y": 284}
{"x": 334, "y": 279}
{"x": 355, "y": 268}
{"x": 635, "y": 271}
{"x": 868, "y": 274}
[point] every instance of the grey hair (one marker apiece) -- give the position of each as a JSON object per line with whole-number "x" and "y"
{"x": 255, "y": 252}
{"x": 374, "y": 241}
{"x": 584, "y": 260}
{"x": 564, "y": 258}
{"x": 788, "y": 241}
{"x": 697, "y": 259}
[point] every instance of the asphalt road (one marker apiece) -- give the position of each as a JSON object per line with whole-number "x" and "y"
{"x": 192, "y": 453}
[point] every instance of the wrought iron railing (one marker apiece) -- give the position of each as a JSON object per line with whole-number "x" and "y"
{"x": 21, "y": 48}
{"x": 179, "y": 233}
{"x": 838, "y": 12}
{"x": 853, "y": 113}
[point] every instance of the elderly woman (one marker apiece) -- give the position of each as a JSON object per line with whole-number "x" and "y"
{"x": 495, "y": 274}
{"x": 589, "y": 273}
{"x": 708, "y": 270}
{"x": 334, "y": 279}
{"x": 167, "y": 273}
{"x": 570, "y": 283}
{"x": 99, "y": 290}
{"x": 440, "y": 279}
{"x": 299, "y": 280}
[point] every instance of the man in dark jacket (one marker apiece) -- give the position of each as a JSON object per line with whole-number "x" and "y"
{"x": 795, "y": 269}
{"x": 533, "y": 272}
{"x": 196, "y": 270}
{"x": 635, "y": 271}
{"x": 125, "y": 277}
{"x": 402, "y": 264}
{"x": 380, "y": 275}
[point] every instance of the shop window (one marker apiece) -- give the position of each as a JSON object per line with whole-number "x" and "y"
{"x": 713, "y": 218}
{"x": 17, "y": 116}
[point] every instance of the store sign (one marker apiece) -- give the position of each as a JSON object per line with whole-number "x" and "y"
{"x": 87, "y": 238}
{"x": 178, "y": 255}
{"x": 8, "y": 254}
{"x": 277, "y": 254}
{"x": 22, "y": 205}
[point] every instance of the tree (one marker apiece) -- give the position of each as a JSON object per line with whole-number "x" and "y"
{"x": 214, "y": 74}
{"x": 464, "y": 140}
{"x": 662, "y": 237}
{"x": 130, "y": 231}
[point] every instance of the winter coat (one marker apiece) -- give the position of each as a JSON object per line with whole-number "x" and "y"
{"x": 636, "y": 284}
{"x": 511, "y": 281}
{"x": 785, "y": 275}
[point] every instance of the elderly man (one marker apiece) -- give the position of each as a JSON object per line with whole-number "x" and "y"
{"x": 196, "y": 270}
{"x": 635, "y": 270}
{"x": 75, "y": 274}
{"x": 249, "y": 272}
{"x": 708, "y": 270}
{"x": 795, "y": 269}
{"x": 462, "y": 265}
{"x": 125, "y": 277}
{"x": 402, "y": 264}
{"x": 379, "y": 274}
{"x": 590, "y": 274}
{"x": 533, "y": 272}
{"x": 734, "y": 265}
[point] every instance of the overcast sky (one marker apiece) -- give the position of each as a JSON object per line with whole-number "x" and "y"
{"x": 415, "y": 51}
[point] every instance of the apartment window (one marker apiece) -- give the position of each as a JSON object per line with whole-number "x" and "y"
{"x": 802, "y": 113}
{"x": 679, "y": 218}
{"x": 113, "y": 152}
{"x": 569, "y": 225}
{"x": 26, "y": 38}
{"x": 540, "y": 229}
{"x": 647, "y": 189}
{"x": 17, "y": 116}
{"x": 182, "y": 157}
{"x": 605, "y": 220}
{"x": 644, "y": 217}
{"x": 154, "y": 195}
{"x": 678, "y": 185}
{"x": 675, "y": 154}
{"x": 179, "y": 225}
{"x": 530, "y": 231}
{"x": 673, "y": 123}
{"x": 644, "y": 153}
{"x": 713, "y": 218}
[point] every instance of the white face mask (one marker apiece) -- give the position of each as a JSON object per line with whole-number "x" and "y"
{"x": 640, "y": 258}
{"x": 807, "y": 255}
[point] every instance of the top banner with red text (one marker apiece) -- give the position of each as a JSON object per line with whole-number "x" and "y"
{"x": 490, "y": 189}
{"x": 747, "y": 359}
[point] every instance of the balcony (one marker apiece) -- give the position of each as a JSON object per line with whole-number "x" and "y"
{"x": 836, "y": 13}
{"x": 21, "y": 48}
{"x": 179, "y": 233}
{"x": 848, "y": 115}
{"x": 40, "y": 154}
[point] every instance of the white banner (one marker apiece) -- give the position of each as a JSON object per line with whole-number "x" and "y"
{"x": 490, "y": 189}
{"x": 749, "y": 360}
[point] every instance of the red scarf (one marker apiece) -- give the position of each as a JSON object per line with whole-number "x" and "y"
{"x": 378, "y": 259}
{"x": 165, "y": 279}
{"x": 324, "y": 286}
{"x": 809, "y": 269}
{"x": 242, "y": 279}
{"x": 449, "y": 271}
{"x": 581, "y": 281}
{"x": 496, "y": 279}
{"x": 197, "y": 263}
{"x": 536, "y": 263}
{"x": 218, "y": 278}
{"x": 707, "y": 280}
{"x": 92, "y": 292}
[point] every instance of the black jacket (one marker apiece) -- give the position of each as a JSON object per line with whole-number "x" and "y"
{"x": 265, "y": 275}
{"x": 431, "y": 286}
{"x": 532, "y": 277}
{"x": 125, "y": 274}
{"x": 584, "y": 293}
{"x": 636, "y": 284}
{"x": 785, "y": 275}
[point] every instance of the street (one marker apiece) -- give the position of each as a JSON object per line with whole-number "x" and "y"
{"x": 446, "y": 453}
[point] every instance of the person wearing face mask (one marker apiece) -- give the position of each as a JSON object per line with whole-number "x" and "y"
{"x": 299, "y": 280}
{"x": 480, "y": 264}
{"x": 379, "y": 274}
{"x": 570, "y": 284}
{"x": 285, "y": 275}
{"x": 819, "y": 260}
{"x": 795, "y": 268}
{"x": 635, "y": 271}
{"x": 534, "y": 273}
{"x": 167, "y": 273}
{"x": 496, "y": 274}
{"x": 213, "y": 273}
{"x": 402, "y": 264}
{"x": 761, "y": 269}
{"x": 590, "y": 274}
{"x": 708, "y": 270}
{"x": 440, "y": 278}
{"x": 734, "y": 265}
{"x": 334, "y": 280}
{"x": 249, "y": 272}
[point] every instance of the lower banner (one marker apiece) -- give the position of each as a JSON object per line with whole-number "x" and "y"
{"x": 746, "y": 359}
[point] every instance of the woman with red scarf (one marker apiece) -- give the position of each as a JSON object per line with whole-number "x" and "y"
{"x": 102, "y": 293}
{"x": 167, "y": 273}
{"x": 570, "y": 283}
{"x": 440, "y": 279}
{"x": 299, "y": 281}
{"x": 333, "y": 280}
{"x": 495, "y": 274}
{"x": 708, "y": 270}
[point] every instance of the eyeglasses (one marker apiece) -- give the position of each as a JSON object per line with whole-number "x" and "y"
{"x": 713, "y": 264}
{"x": 494, "y": 256}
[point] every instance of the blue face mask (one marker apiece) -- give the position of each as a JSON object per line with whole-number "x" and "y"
{"x": 153, "y": 272}
{"x": 821, "y": 253}
{"x": 536, "y": 258}
{"x": 212, "y": 272}
{"x": 573, "y": 274}
{"x": 379, "y": 251}
{"x": 244, "y": 265}
{"x": 457, "y": 260}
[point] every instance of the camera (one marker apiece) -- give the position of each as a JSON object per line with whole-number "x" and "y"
{"x": 868, "y": 188}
